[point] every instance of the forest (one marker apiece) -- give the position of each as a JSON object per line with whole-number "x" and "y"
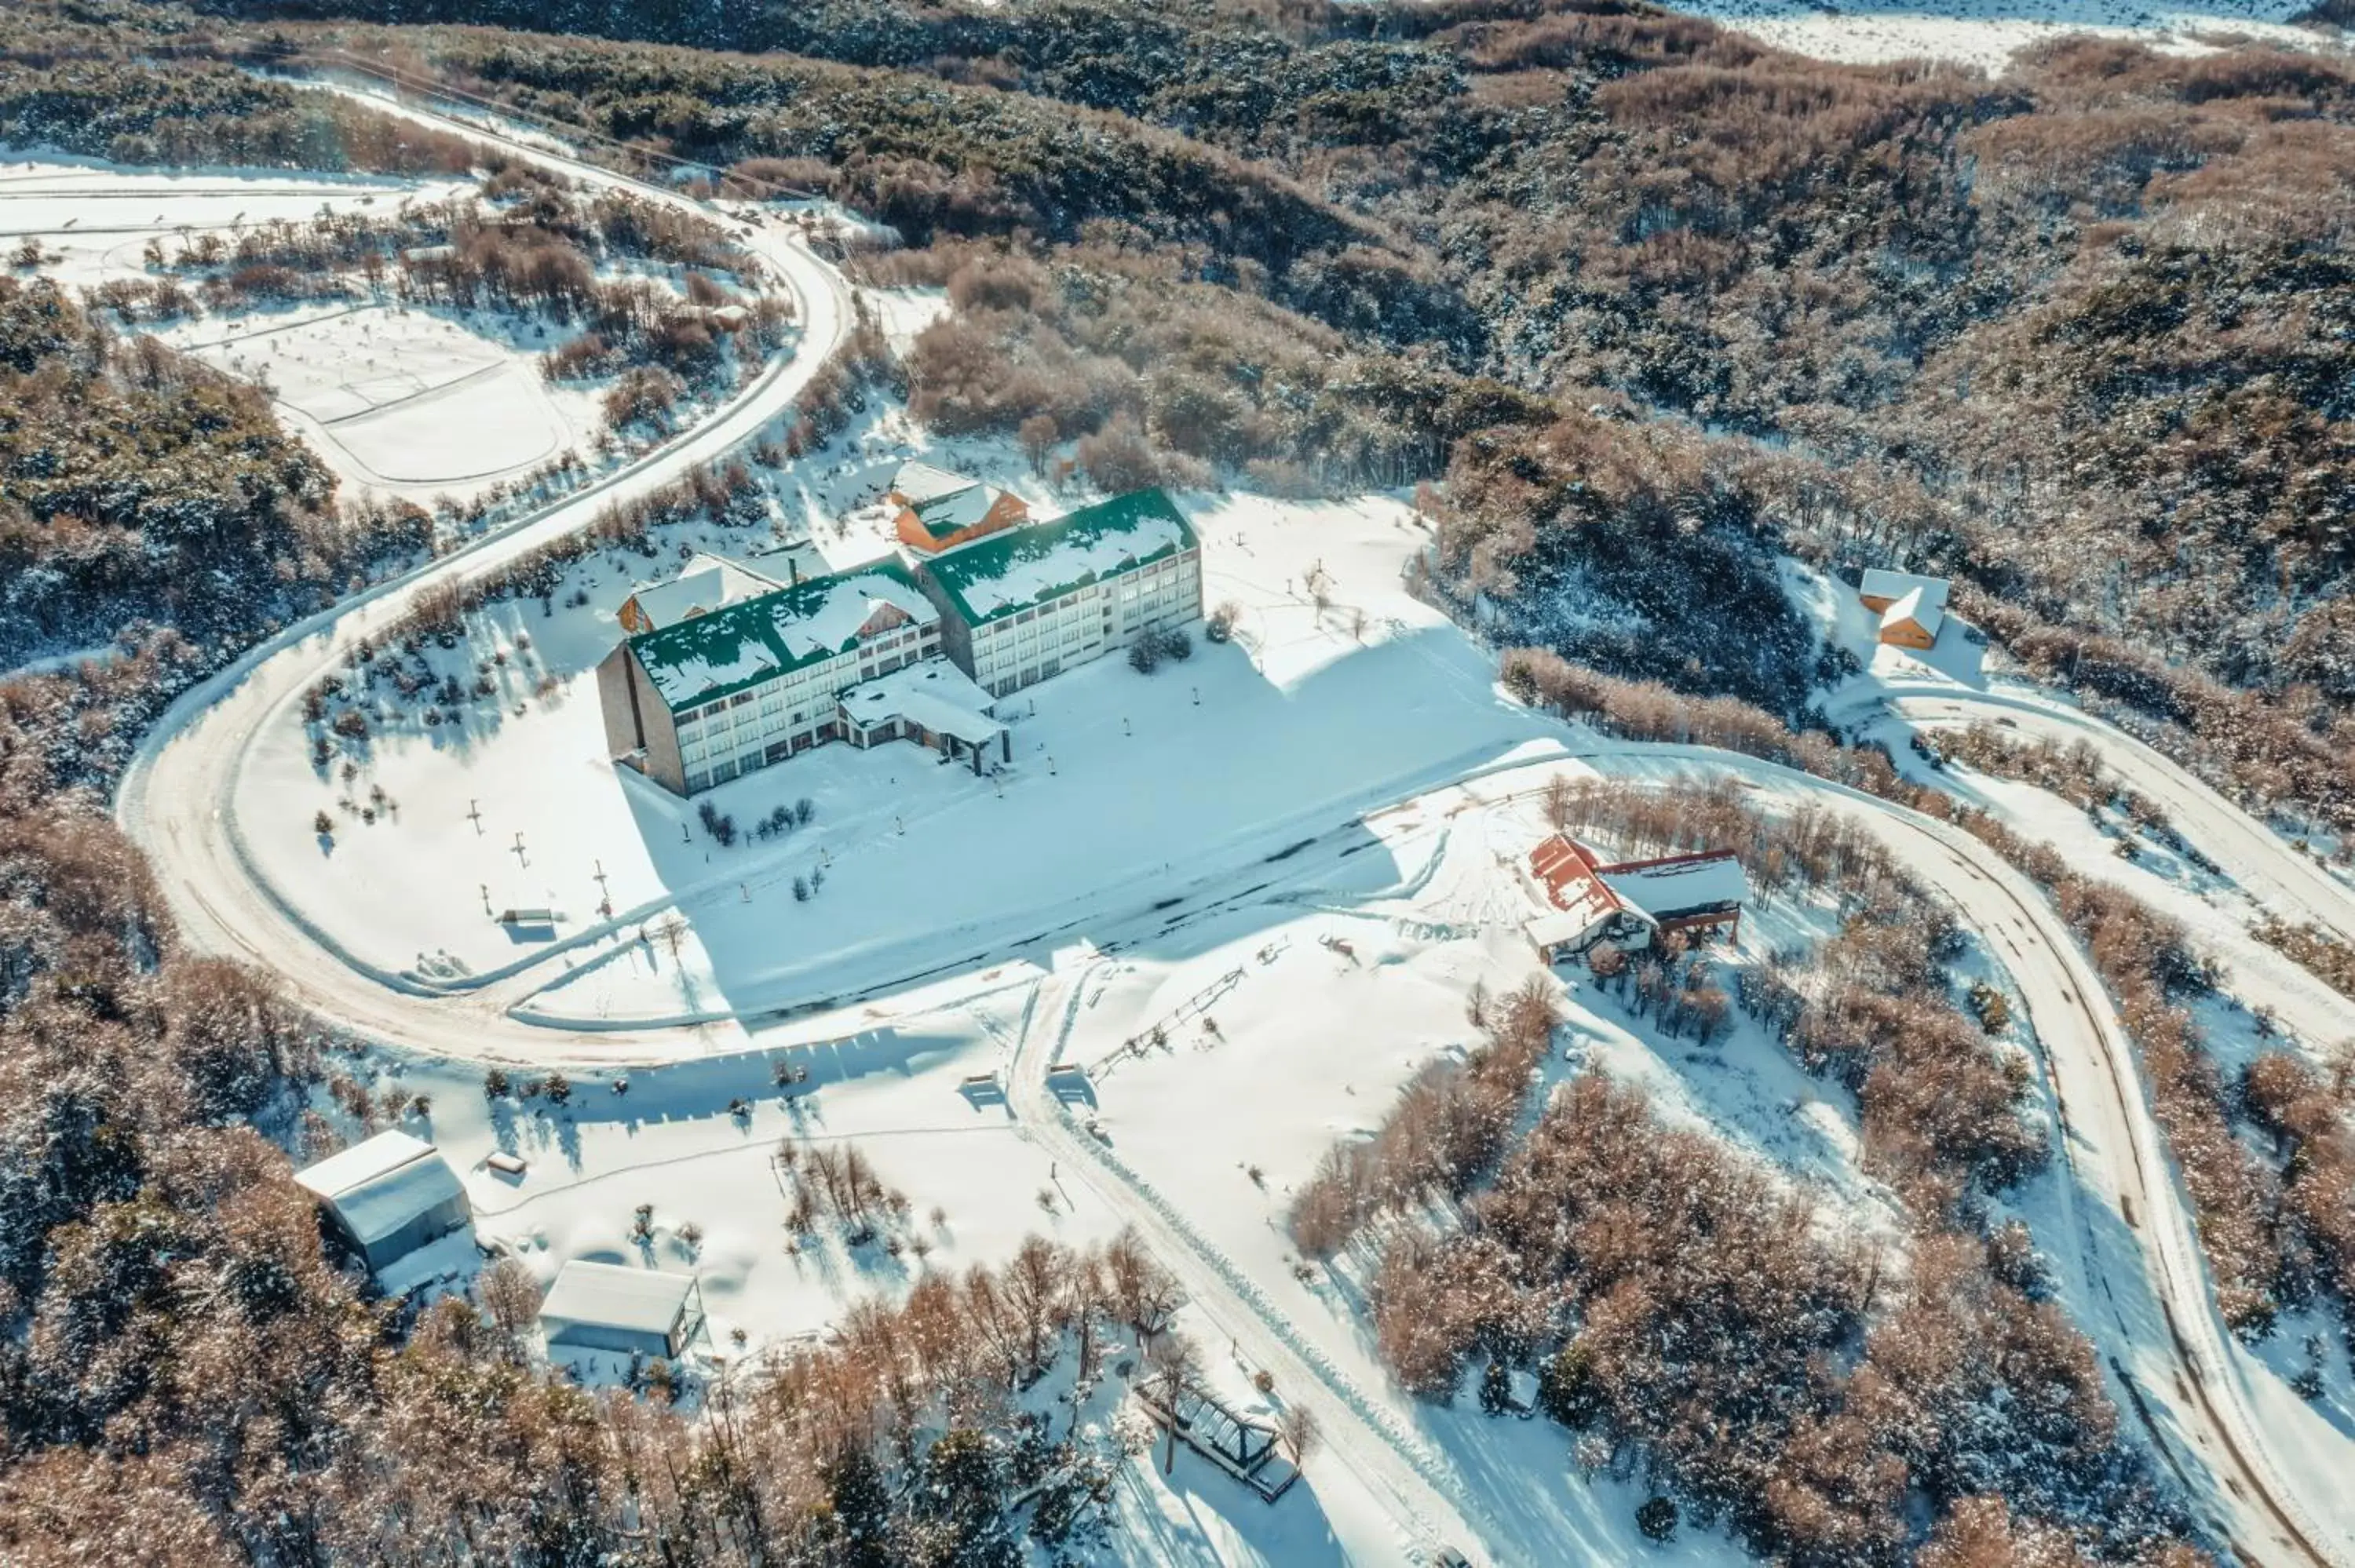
{"x": 1861, "y": 283}
{"x": 1388, "y": 243}
{"x": 1687, "y": 1318}
{"x": 1649, "y": 306}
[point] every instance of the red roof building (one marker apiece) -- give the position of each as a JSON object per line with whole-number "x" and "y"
{"x": 1694, "y": 891}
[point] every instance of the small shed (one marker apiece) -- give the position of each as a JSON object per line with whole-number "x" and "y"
{"x": 389, "y": 1196}
{"x": 630, "y": 1311}
{"x": 1911, "y": 607}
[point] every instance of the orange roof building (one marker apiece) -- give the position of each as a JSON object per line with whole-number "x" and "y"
{"x": 1631, "y": 900}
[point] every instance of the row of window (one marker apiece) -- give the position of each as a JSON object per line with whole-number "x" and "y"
{"x": 775, "y": 751}
{"x": 705, "y": 730}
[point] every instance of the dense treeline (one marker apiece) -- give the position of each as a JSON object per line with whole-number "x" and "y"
{"x": 2263, "y": 1257}
{"x": 1940, "y": 1105}
{"x": 935, "y": 158}
{"x": 137, "y": 482}
{"x": 2261, "y": 1261}
{"x": 1689, "y": 1316}
{"x": 1636, "y": 549}
{"x": 61, "y": 87}
{"x": 1881, "y": 273}
{"x": 185, "y": 1379}
{"x": 1449, "y": 1128}
{"x": 1062, "y": 345}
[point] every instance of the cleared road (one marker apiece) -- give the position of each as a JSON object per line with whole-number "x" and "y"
{"x": 2112, "y": 1149}
{"x": 172, "y": 803}
{"x": 175, "y": 799}
{"x": 2259, "y": 859}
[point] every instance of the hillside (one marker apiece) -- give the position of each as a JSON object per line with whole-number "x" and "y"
{"x": 1019, "y": 783}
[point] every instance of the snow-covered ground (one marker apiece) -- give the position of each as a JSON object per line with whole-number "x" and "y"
{"x": 404, "y": 401}
{"x": 1988, "y": 33}
{"x": 93, "y": 219}
{"x": 1309, "y": 835}
{"x": 1122, "y": 785}
{"x": 2214, "y": 868}
{"x": 397, "y": 400}
{"x": 667, "y": 1140}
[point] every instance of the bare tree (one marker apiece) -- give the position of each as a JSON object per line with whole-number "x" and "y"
{"x": 1146, "y": 1295}
{"x": 1296, "y": 1430}
{"x": 1175, "y": 1369}
{"x": 511, "y": 1295}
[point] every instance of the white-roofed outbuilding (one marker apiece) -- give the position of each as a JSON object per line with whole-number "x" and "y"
{"x": 1911, "y": 607}
{"x": 389, "y": 1195}
{"x": 610, "y": 1307}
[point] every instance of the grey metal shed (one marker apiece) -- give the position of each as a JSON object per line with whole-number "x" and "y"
{"x": 608, "y": 1306}
{"x": 389, "y": 1196}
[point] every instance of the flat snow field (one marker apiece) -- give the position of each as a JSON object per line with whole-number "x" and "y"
{"x": 399, "y": 402}
{"x": 669, "y": 1141}
{"x": 1988, "y": 33}
{"x": 1123, "y": 789}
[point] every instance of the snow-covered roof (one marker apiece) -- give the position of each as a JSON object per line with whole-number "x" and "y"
{"x": 611, "y": 1296}
{"x": 379, "y": 1185}
{"x": 1678, "y": 885}
{"x": 1925, "y": 606}
{"x": 1882, "y": 583}
{"x": 707, "y": 582}
{"x": 1558, "y": 925}
{"x": 920, "y": 483}
{"x": 743, "y": 644}
{"x": 934, "y": 693}
{"x": 999, "y": 573}
{"x": 962, "y": 510}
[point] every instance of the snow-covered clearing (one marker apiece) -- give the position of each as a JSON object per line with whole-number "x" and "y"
{"x": 1988, "y": 33}
{"x": 93, "y": 219}
{"x": 1122, "y": 788}
{"x": 668, "y": 1139}
{"x": 397, "y": 400}
{"x": 400, "y": 400}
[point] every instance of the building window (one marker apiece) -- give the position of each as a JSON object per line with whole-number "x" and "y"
{"x": 698, "y": 781}
{"x": 779, "y": 750}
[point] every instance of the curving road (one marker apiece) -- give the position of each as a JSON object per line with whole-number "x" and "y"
{"x": 173, "y": 799}
{"x": 172, "y": 802}
{"x": 2113, "y": 1149}
{"x": 2259, "y": 859}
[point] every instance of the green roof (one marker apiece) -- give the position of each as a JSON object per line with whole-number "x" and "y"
{"x": 1000, "y": 574}
{"x": 747, "y": 642}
